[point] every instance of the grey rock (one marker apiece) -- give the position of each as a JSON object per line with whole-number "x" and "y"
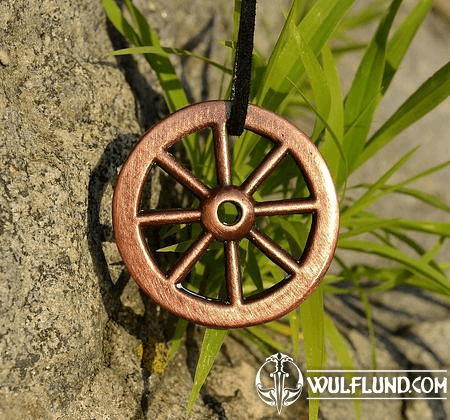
{"x": 61, "y": 104}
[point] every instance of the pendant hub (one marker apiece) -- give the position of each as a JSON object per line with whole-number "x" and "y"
{"x": 242, "y": 224}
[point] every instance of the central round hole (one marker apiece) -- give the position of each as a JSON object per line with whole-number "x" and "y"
{"x": 229, "y": 213}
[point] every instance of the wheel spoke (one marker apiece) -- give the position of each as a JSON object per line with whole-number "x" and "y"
{"x": 273, "y": 251}
{"x": 180, "y": 173}
{"x": 168, "y": 217}
{"x": 275, "y": 208}
{"x": 268, "y": 165}
{"x": 222, "y": 155}
{"x": 233, "y": 273}
{"x": 191, "y": 256}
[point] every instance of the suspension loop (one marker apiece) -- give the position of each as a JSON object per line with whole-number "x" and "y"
{"x": 240, "y": 90}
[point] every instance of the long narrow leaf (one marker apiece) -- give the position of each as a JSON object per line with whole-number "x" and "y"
{"x": 116, "y": 17}
{"x": 400, "y": 42}
{"x": 368, "y": 14}
{"x": 294, "y": 324}
{"x": 316, "y": 27}
{"x": 312, "y": 317}
{"x": 169, "y": 50}
{"x": 177, "y": 338}
{"x": 260, "y": 333}
{"x": 364, "y": 93}
{"x": 423, "y": 196}
{"x": 407, "y": 240}
{"x": 431, "y": 227}
{"x": 370, "y": 196}
{"x": 427, "y": 97}
{"x": 316, "y": 78}
{"x": 408, "y": 262}
{"x": 212, "y": 342}
{"x": 342, "y": 352}
{"x": 332, "y": 152}
{"x": 333, "y": 136}
{"x": 140, "y": 23}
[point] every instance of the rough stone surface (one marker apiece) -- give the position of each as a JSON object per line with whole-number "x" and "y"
{"x": 77, "y": 338}
{"x": 60, "y": 106}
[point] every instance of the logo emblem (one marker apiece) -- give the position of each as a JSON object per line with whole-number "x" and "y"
{"x": 281, "y": 394}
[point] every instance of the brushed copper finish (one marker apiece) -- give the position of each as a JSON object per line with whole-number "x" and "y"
{"x": 167, "y": 290}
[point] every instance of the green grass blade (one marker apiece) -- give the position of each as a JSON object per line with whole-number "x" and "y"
{"x": 294, "y": 324}
{"x": 400, "y": 42}
{"x": 394, "y": 254}
{"x": 407, "y": 240}
{"x": 212, "y": 342}
{"x": 367, "y": 15}
{"x": 332, "y": 150}
{"x": 390, "y": 278}
{"x": 296, "y": 235}
{"x": 173, "y": 92}
{"x": 364, "y": 94}
{"x": 428, "y": 256}
{"x": 342, "y": 352}
{"x": 430, "y": 227}
{"x": 316, "y": 27}
{"x": 251, "y": 266}
{"x": 363, "y": 225}
{"x": 427, "y": 97}
{"x": 117, "y": 18}
{"x": 369, "y": 196}
{"x": 426, "y": 172}
{"x": 262, "y": 345}
{"x": 280, "y": 328}
{"x": 312, "y": 318}
{"x": 354, "y": 46}
{"x": 412, "y": 192}
{"x": 177, "y": 338}
{"x": 333, "y": 136}
{"x": 140, "y": 23}
{"x": 292, "y": 18}
{"x": 370, "y": 328}
{"x": 424, "y": 197}
{"x": 399, "y": 188}
{"x": 367, "y": 224}
{"x": 338, "y": 344}
{"x": 169, "y": 50}
{"x": 264, "y": 336}
{"x": 402, "y": 237}
{"x": 317, "y": 79}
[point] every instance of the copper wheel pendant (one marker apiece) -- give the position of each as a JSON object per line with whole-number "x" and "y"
{"x": 167, "y": 290}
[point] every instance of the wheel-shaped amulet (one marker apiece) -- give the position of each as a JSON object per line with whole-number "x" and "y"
{"x": 235, "y": 310}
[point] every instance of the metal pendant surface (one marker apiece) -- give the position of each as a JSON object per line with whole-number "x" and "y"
{"x": 167, "y": 290}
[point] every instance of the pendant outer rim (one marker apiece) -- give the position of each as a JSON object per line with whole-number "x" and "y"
{"x": 267, "y": 306}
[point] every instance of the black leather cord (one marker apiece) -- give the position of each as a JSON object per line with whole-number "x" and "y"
{"x": 240, "y": 90}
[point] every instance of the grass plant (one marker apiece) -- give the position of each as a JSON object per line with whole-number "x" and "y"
{"x": 300, "y": 75}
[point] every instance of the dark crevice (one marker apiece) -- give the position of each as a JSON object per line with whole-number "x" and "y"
{"x": 145, "y": 397}
{"x": 139, "y": 326}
